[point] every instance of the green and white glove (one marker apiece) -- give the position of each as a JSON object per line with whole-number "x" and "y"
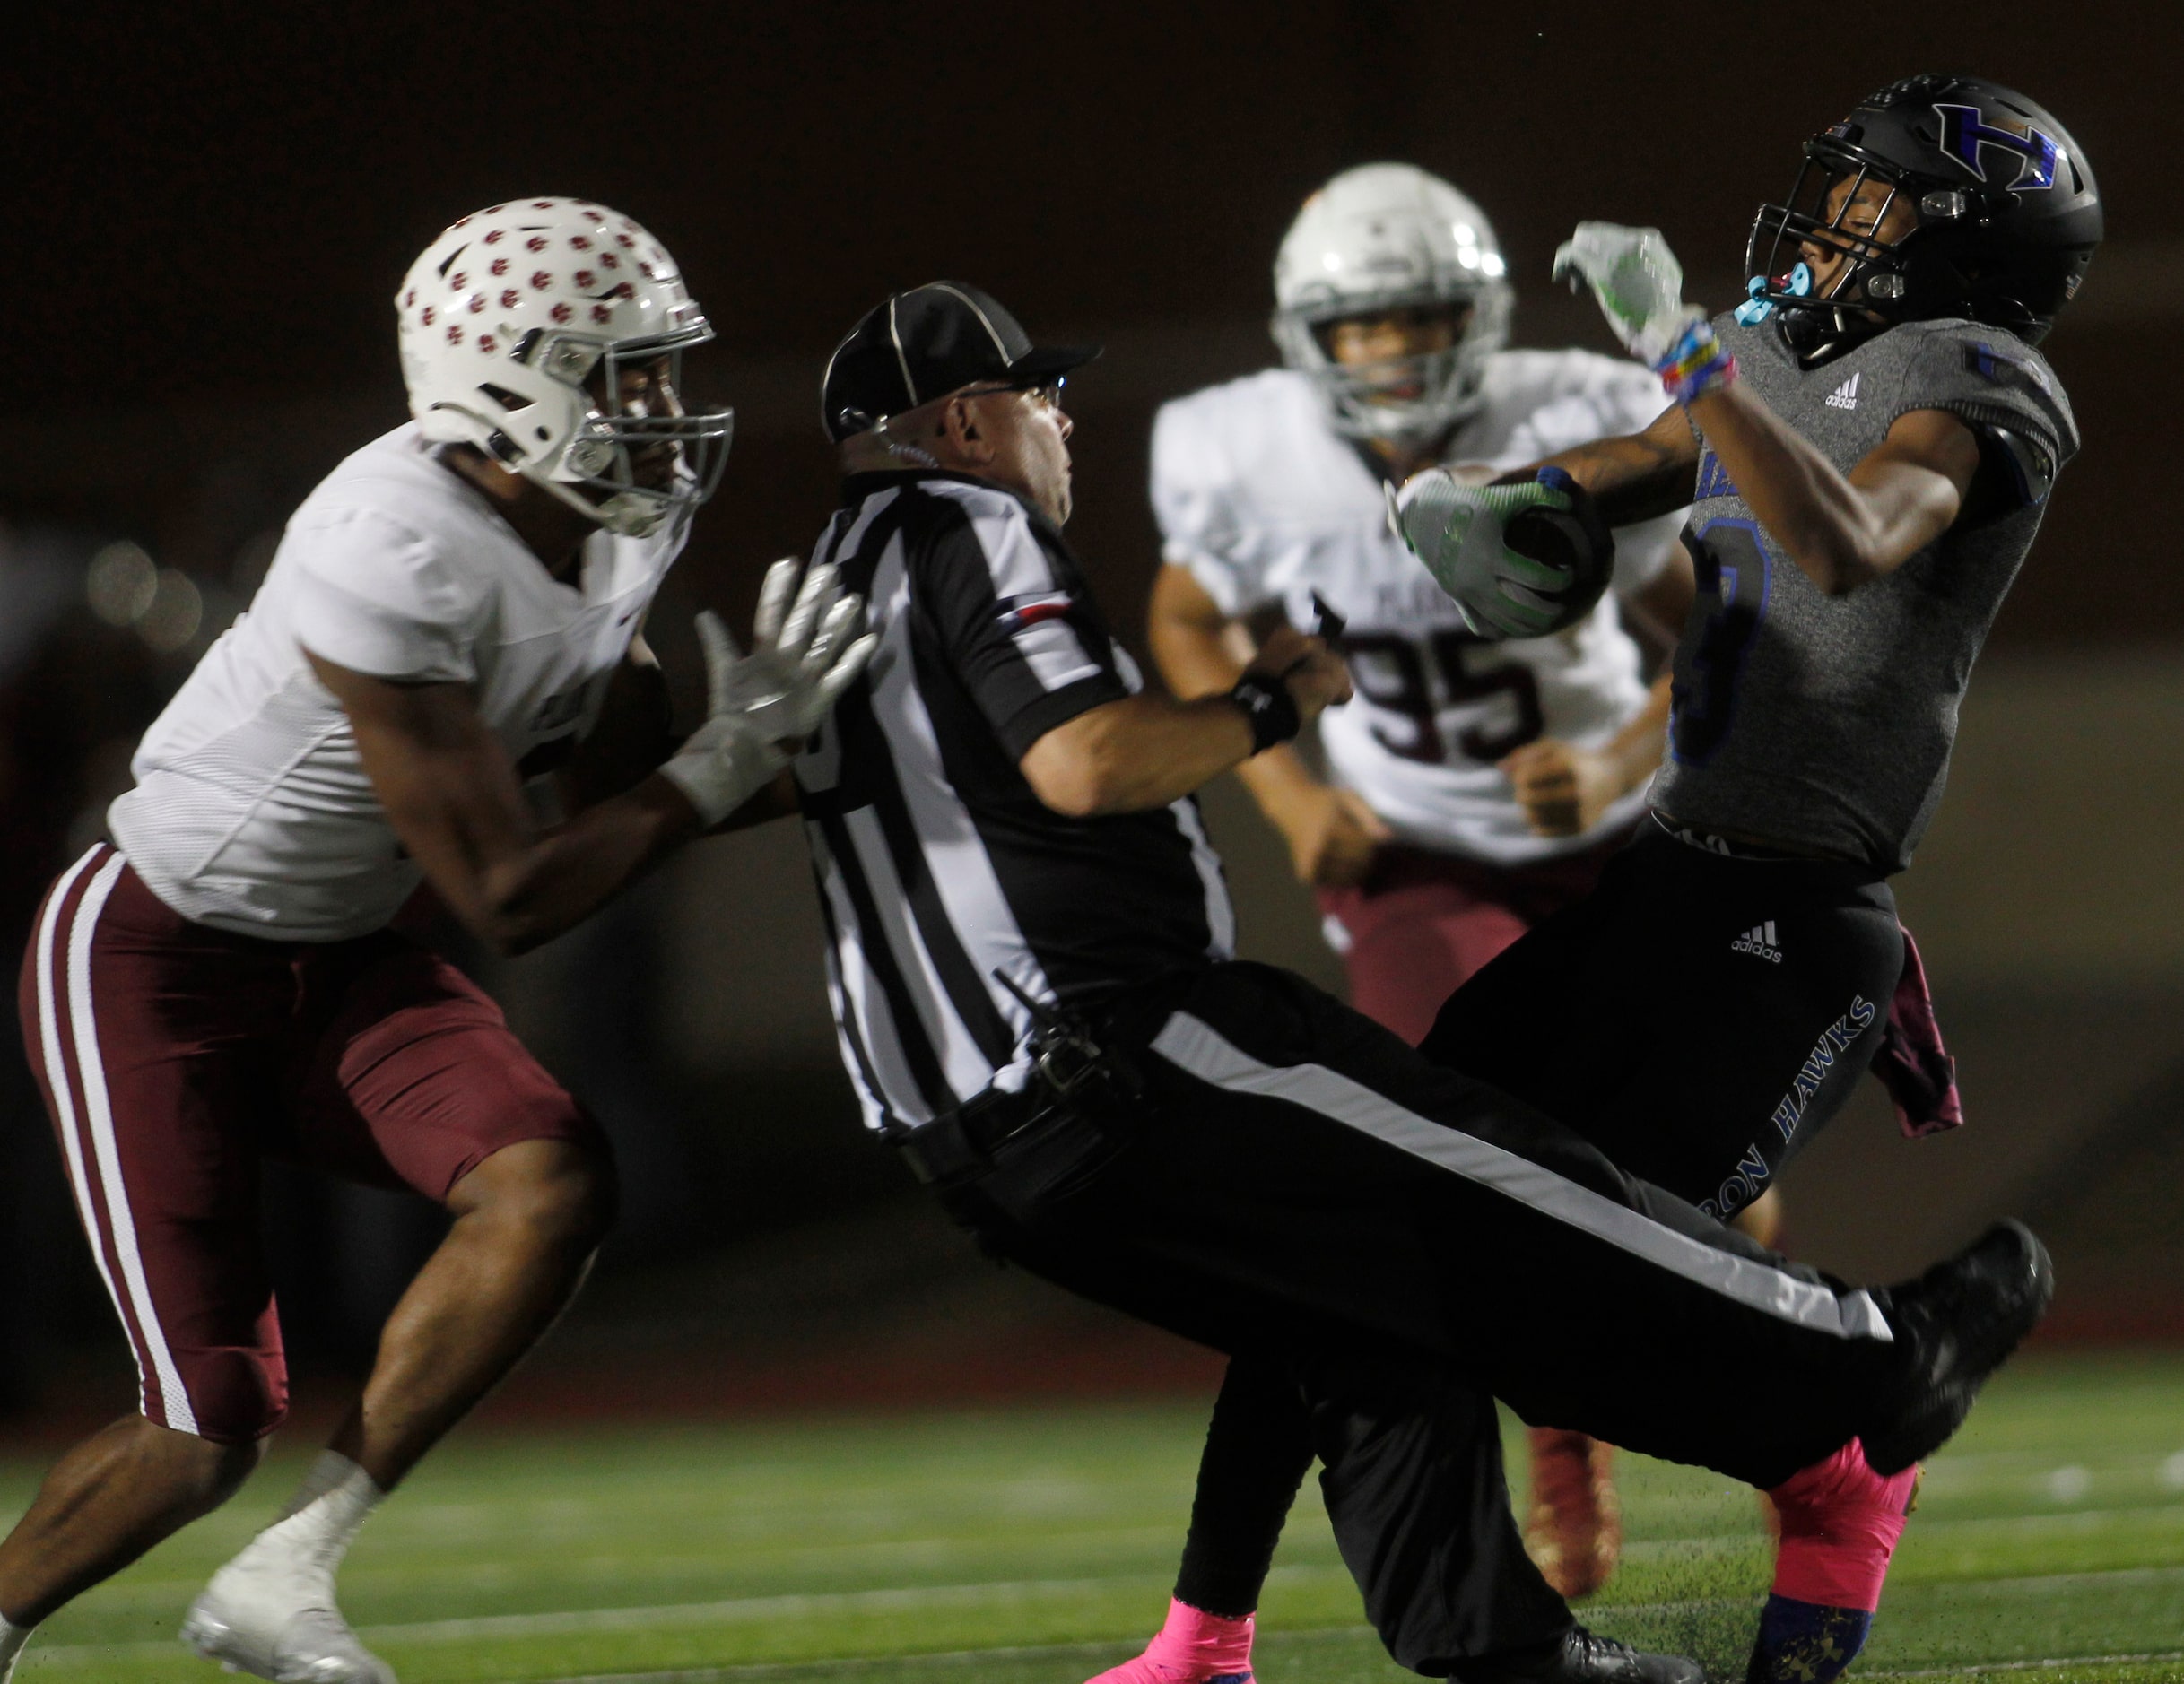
{"x": 1638, "y": 281}
{"x": 1457, "y": 531}
{"x": 761, "y": 706}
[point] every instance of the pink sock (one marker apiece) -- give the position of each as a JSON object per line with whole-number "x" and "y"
{"x": 1193, "y": 1647}
{"x": 1840, "y": 1521}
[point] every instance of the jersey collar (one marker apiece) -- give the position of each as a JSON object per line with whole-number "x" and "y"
{"x": 856, "y": 487}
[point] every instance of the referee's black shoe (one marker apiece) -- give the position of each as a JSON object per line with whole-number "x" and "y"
{"x": 1959, "y": 1320}
{"x": 1581, "y": 1657}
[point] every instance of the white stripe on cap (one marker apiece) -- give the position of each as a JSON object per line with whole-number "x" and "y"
{"x": 902, "y": 361}
{"x": 941, "y": 286}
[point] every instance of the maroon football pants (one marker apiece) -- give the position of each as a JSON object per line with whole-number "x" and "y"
{"x": 1422, "y": 923}
{"x": 173, "y": 1057}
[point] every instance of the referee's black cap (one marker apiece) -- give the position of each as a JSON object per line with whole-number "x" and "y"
{"x": 924, "y": 343}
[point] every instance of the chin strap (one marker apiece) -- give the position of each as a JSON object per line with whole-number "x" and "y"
{"x": 1819, "y": 336}
{"x": 627, "y": 513}
{"x": 1814, "y": 332}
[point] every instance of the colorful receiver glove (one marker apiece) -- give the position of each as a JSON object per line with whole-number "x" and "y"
{"x": 762, "y": 705}
{"x": 1462, "y": 532}
{"x": 1639, "y": 285}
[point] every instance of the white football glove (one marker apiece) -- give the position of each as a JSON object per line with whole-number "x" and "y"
{"x": 1638, "y": 281}
{"x": 1457, "y": 530}
{"x": 761, "y": 706}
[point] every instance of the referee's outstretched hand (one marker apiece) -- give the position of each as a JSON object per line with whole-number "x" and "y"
{"x": 1316, "y": 677}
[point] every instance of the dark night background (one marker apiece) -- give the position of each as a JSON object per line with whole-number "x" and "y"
{"x": 214, "y": 208}
{"x": 209, "y": 207}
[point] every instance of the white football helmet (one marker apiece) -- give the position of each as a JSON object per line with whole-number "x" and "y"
{"x": 508, "y": 315}
{"x": 1386, "y": 236}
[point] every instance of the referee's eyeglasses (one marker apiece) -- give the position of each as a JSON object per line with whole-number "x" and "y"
{"x": 1046, "y": 394}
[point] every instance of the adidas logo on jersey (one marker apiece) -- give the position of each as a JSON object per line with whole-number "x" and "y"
{"x": 1759, "y": 941}
{"x": 1844, "y": 397}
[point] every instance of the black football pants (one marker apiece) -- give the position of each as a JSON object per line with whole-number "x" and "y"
{"x": 1300, "y": 1180}
{"x": 1698, "y": 1018}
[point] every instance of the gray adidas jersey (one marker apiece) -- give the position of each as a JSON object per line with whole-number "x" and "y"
{"x": 1826, "y": 723}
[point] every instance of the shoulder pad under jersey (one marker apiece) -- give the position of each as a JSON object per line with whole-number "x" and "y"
{"x": 2027, "y": 460}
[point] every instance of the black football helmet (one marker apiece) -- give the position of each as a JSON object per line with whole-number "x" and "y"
{"x": 2007, "y": 217}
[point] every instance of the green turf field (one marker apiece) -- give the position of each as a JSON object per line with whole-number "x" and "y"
{"x": 1033, "y": 1547}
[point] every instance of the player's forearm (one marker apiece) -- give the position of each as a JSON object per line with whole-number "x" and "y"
{"x": 1194, "y": 655}
{"x": 1634, "y": 478}
{"x": 777, "y": 800}
{"x": 1820, "y": 519}
{"x": 1190, "y": 640}
{"x": 634, "y": 733}
{"x": 1278, "y": 779}
{"x": 548, "y": 885}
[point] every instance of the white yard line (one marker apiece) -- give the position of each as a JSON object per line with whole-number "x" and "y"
{"x": 152, "y": 1593}
{"x": 736, "y": 1610}
{"x": 621, "y": 1561}
{"x": 743, "y": 1610}
{"x": 2034, "y": 1585}
{"x": 749, "y": 1609}
{"x": 1058, "y": 1651}
{"x": 938, "y": 1658}
{"x": 1980, "y": 1668}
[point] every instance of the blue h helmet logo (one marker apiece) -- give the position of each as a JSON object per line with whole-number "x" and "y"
{"x": 1963, "y": 130}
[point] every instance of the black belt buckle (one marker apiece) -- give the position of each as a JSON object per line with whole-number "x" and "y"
{"x": 986, "y": 1133}
{"x": 1021, "y": 1151}
{"x": 1071, "y": 1067}
{"x": 1083, "y": 1108}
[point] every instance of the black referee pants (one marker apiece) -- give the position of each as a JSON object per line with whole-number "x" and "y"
{"x": 1300, "y": 1180}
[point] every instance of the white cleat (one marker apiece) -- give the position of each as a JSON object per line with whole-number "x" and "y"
{"x": 280, "y": 1624}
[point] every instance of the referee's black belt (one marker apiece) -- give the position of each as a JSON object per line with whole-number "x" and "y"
{"x": 1079, "y": 1102}
{"x": 959, "y": 1145}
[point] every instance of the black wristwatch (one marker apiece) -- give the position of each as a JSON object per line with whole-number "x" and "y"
{"x": 1269, "y": 709}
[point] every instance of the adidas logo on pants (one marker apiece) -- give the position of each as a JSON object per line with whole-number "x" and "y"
{"x": 1759, "y": 941}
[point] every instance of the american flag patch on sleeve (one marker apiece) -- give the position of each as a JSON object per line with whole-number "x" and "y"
{"x": 1017, "y": 612}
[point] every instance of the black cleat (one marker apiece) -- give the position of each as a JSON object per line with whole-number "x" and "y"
{"x": 1581, "y": 1657}
{"x": 1960, "y": 1321}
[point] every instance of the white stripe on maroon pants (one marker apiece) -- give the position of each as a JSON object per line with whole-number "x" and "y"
{"x": 62, "y": 1088}
{"x": 105, "y": 1212}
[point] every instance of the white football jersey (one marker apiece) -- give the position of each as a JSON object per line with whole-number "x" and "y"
{"x": 1265, "y": 503}
{"x": 252, "y": 812}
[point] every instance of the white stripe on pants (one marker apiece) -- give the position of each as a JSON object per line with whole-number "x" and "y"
{"x": 1192, "y": 1045}
{"x": 71, "y": 1025}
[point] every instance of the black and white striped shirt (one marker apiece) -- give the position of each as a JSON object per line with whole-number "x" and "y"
{"x": 938, "y": 865}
